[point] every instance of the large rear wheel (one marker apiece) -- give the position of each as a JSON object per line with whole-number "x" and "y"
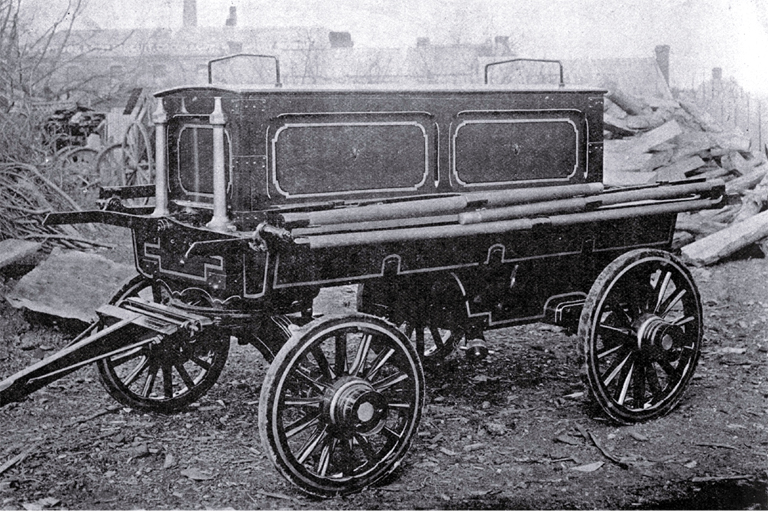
{"x": 641, "y": 329}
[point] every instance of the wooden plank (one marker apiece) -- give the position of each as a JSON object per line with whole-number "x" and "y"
{"x": 731, "y": 141}
{"x": 13, "y": 251}
{"x": 657, "y": 136}
{"x": 692, "y": 143}
{"x": 746, "y": 182}
{"x": 628, "y": 103}
{"x": 733, "y": 161}
{"x": 70, "y": 284}
{"x": 722, "y": 244}
{"x": 705, "y": 120}
{"x": 677, "y": 171}
{"x": 625, "y": 162}
{"x": 615, "y": 178}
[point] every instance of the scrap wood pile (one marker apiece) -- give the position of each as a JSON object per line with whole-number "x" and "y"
{"x": 654, "y": 140}
{"x": 26, "y": 196}
{"x": 35, "y": 180}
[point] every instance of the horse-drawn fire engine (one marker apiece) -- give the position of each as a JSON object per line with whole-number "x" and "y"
{"x": 454, "y": 210}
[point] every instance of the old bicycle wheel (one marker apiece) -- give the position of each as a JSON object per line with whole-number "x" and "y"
{"x": 78, "y": 174}
{"x": 341, "y": 403}
{"x": 168, "y": 375}
{"x": 111, "y": 165}
{"x": 641, "y": 327}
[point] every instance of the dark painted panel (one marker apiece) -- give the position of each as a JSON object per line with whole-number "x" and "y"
{"x": 496, "y": 150}
{"x": 322, "y": 158}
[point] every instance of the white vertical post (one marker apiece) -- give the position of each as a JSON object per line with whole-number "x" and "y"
{"x": 160, "y": 119}
{"x": 220, "y": 221}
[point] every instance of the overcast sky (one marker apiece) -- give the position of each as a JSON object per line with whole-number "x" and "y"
{"x": 732, "y": 34}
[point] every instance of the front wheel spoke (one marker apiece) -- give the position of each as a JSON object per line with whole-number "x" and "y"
{"x": 608, "y": 352}
{"x": 362, "y": 355}
{"x": 625, "y": 385}
{"x": 653, "y": 380}
{"x": 302, "y": 375}
{"x": 125, "y": 357}
{"x": 670, "y": 370}
{"x": 392, "y": 437}
{"x": 167, "y": 380}
{"x": 137, "y": 371}
{"x": 149, "y": 383}
{"x": 314, "y": 440}
{"x": 347, "y": 457}
{"x": 368, "y": 450}
{"x": 185, "y": 377}
{"x": 619, "y": 311}
{"x": 324, "y": 461}
{"x": 302, "y": 401}
{"x": 390, "y": 381}
{"x": 684, "y": 320}
{"x": 612, "y": 329}
{"x": 638, "y": 387}
{"x": 205, "y": 365}
{"x": 611, "y": 373}
{"x": 298, "y": 426}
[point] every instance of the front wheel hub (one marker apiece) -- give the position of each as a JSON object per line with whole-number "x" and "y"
{"x": 358, "y": 408}
{"x": 656, "y": 333}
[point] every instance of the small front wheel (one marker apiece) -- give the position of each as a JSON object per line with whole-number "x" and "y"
{"x": 341, "y": 403}
{"x": 168, "y": 375}
{"x": 642, "y": 328}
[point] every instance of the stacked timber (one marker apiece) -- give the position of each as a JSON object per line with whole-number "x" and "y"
{"x": 655, "y": 141}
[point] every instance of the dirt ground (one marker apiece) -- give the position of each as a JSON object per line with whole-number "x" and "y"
{"x": 511, "y": 432}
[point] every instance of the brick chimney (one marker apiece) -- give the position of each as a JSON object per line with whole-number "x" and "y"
{"x": 340, "y": 39}
{"x": 190, "y": 13}
{"x": 662, "y": 59}
{"x": 232, "y": 20}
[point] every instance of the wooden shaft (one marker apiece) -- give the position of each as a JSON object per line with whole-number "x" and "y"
{"x": 501, "y": 226}
{"x": 410, "y": 208}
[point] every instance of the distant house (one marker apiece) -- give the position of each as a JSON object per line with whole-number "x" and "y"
{"x": 109, "y": 63}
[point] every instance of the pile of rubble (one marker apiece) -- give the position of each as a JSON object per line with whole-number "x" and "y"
{"x": 655, "y": 140}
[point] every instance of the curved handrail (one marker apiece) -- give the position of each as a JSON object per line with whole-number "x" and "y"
{"x": 278, "y": 83}
{"x": 562, "y": 81}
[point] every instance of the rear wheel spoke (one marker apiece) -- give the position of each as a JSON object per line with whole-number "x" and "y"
{"x": 362, "y": 356}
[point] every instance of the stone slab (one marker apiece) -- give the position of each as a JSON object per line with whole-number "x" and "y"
{"x": 70, "y": 284}
{"x": 14, "y": 251}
